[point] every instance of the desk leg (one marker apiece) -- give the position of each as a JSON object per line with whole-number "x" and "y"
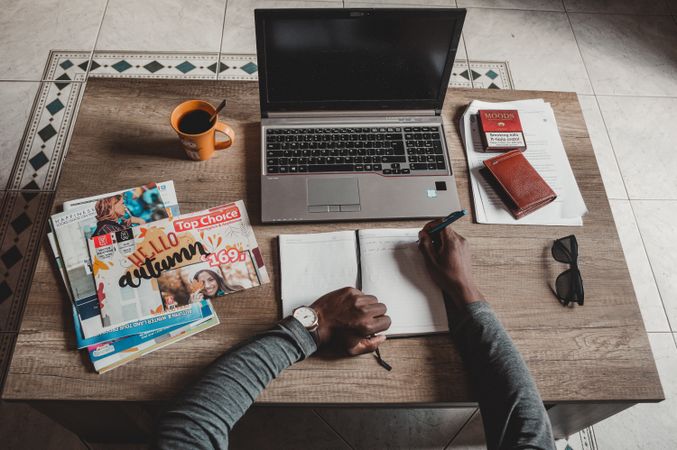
{"x": 570, "y": 418}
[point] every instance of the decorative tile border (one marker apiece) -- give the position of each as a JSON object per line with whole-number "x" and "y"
{"x": 22, "y": 235}
{"x": 24, "y": 209}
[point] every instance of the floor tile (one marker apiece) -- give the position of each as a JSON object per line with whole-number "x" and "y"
{"x": 628, "y": 54}
{"x": 644, "y": 148}
{"x": 657, "y": 221}
{"x": 471, "y": 437}
{"x": 238, "y": 32}
{"x": 399, "y": 3}
{"x": 643, "y": 280}
{"x": 647, "y": 426}
{"x": 532, "y": 5}
{"x": 16, "y": 99}
{"x": 365, "y": 428}
{"x": 23, "y": 427}
{"x": 527, "y": 40}
{"x": 618, "y": 6}
{"x": 283, "y": 428}
{"x": 162, "y": 25}
{"x": 606, "y": 159}
{"x": 29, "y": 30}
{"x": 22, "y": 216}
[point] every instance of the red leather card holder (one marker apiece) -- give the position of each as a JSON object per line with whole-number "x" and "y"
{"x": 523, "y": 189}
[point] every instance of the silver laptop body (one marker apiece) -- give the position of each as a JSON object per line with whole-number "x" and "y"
{"x": 416, "y": 186}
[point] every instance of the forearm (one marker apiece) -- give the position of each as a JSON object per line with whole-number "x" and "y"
{"x": 204, "y": 414}
{"x": 511, "y": 407}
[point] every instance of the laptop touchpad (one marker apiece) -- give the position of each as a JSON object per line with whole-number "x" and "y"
{"x": 333, "y": 192}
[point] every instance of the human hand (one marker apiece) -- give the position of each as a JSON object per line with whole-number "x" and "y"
{"x": 449, "y": 264}
{"x": 349, "y": 319}
{"x": 196, "y": 296}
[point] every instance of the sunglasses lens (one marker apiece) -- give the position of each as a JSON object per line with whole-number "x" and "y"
{"x": 569, "y": 286}
{"x": 565, "y": 250}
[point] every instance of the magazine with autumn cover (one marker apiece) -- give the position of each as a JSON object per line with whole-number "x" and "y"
{"x": 80, "y": 220}
{"x": 171, "y": 263}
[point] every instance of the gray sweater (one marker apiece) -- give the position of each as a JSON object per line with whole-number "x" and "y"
{"x": 512, "y": 410}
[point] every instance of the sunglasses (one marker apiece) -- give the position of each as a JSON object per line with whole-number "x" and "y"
{"x": 569, "y": 284}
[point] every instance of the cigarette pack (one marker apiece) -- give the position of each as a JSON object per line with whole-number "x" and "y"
{"x": 501, "y": 130}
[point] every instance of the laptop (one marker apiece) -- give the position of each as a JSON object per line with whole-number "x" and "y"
{"x": 350, "y": 106}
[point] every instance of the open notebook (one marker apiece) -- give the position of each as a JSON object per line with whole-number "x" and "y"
{"x": 381, "y": 262}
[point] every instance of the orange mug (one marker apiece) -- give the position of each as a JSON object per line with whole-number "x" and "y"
{"x": 201, "y": 145}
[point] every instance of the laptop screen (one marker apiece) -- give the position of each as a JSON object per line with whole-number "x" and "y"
{"x": 355, "y": 58}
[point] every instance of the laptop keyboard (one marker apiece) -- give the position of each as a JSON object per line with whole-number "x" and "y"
{"x": 383, "y": 150}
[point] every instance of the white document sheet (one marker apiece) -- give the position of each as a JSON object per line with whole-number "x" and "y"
{"x": 312, "y": 265}
{"x": 394, "y": 271}
{"x": 544, "y": 151}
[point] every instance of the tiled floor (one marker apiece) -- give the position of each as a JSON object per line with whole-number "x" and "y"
{"x": 619, "y": 56}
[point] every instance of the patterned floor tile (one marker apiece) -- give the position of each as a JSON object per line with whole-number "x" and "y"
{"x": 21, "y": 234}
{"x": 370, "y": 428}
{"x": 7, "y": 342}
{"x": 46, "y": 137}
{"x": 647, "y": 426}
{"x": 192, "y": 66}
{"x": 283, "y": 428}
{"x": 162, "y": 25}
{"x": 17, "y": 100}
{"x": 628, "y": 54}
{"x": 531, "y": 5}
{"x": 539, "y": 46}
{"x": 657, "y": 221}
{"x": 649, "y": 7}
{"x": 645, "y": 150}
{"x": 646, "y": 290}
{"x": 29, "y": 30}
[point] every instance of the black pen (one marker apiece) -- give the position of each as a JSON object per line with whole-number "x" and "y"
{"x": 451, "y": 218}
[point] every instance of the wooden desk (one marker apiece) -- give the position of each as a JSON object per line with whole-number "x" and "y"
{"x": 589, "y": 362}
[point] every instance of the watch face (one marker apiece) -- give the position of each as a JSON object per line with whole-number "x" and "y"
{"x": 305, "y": 315}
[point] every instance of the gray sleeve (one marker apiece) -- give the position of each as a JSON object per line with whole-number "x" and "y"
{"x": 512, "y": 410}
{"x": 204, "y": 414}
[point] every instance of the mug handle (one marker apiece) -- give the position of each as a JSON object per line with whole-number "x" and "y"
{"x": 228, "y": 131}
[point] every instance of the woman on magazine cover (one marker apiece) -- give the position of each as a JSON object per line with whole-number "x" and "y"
{"x": 213, "y": 285}
{"x": 110, "y": 216}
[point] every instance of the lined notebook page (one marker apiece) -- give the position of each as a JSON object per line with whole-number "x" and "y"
{"x": 394, "y": 271}
{"x": 313, "y": 264}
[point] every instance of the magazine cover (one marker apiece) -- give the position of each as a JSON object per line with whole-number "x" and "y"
{"x": 171, "y": 319}
{"x": 167, "y": 193}
{"x": 74, "y": 226}
{"x": 174, "y": 262}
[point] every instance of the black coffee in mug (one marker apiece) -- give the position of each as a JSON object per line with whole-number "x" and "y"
{"x": 195, "y": 122}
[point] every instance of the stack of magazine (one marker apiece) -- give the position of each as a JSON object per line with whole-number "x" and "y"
{"x": 141, "y": 276}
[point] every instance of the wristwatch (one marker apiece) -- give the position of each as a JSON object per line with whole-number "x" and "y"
{"x": 309, "y": 319}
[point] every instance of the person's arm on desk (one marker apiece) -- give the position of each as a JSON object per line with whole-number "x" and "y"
{"x": 204, "y": 414}
{"x": 512, "y": 410}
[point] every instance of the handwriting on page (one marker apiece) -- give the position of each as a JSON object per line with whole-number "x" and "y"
{"x": 394, "y": 271}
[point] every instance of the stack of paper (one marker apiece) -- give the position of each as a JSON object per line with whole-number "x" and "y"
{"x": 545, "y": 152}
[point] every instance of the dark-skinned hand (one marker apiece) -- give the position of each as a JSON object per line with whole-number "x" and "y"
{"x": 448, "y": 260}
{"x": 349, "y": 320}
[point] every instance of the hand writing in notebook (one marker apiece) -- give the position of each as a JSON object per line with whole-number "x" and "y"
{"x": 449, "y": 264}
{"x": 349, "y": 319}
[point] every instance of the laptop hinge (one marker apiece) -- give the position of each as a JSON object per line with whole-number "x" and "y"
{"x": 375, "y": 114}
